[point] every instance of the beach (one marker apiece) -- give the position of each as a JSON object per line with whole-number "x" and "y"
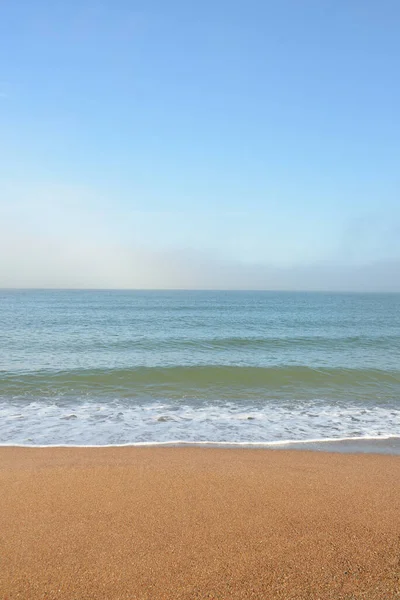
{"x": 148, "y": 523}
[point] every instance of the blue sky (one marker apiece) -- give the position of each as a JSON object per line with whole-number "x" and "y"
{"x": 215, "y": 144}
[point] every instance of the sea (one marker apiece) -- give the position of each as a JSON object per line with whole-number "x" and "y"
{"x": 247, "y": 369}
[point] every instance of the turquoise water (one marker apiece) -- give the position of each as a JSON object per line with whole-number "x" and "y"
{"x": 115, "y": 367}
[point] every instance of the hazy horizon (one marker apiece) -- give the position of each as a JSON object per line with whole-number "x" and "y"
{"x": 215, "y": 290}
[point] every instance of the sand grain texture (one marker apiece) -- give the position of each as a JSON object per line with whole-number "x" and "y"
{"x": 189, "y": 523}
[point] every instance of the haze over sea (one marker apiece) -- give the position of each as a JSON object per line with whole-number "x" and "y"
{"x": 129, "y": 367}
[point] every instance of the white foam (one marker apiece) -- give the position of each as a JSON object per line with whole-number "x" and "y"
{"x": 211, "y": 443}
{"x": 117, "y": 423}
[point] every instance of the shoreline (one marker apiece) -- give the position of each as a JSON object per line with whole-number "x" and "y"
{"x": 388, "y": 445}
{"x": 189, "y": 523}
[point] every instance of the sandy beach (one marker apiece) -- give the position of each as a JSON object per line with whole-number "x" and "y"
{"x": 147, "y": 523}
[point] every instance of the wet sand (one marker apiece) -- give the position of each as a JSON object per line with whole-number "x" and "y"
{"x": 152, "y": 523}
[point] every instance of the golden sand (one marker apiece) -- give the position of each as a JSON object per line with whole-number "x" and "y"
{"x": 147, "y": 523}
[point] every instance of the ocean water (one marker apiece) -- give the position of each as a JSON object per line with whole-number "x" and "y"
{"x": 138, "y": 367}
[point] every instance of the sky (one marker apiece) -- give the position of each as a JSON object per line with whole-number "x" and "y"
{"x": 216, "y": 145}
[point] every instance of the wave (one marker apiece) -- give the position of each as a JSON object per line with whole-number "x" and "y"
{"x": 248, "y": 344}
{"x": 200, "y": 344}
{"x": 194, "y": 379}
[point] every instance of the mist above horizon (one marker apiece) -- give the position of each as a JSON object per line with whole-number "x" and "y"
{"x": 200, "y": 147}
{"x": 66, "y": 239}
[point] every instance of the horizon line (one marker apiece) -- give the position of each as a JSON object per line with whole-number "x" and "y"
{"x": 264, "y": 290}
